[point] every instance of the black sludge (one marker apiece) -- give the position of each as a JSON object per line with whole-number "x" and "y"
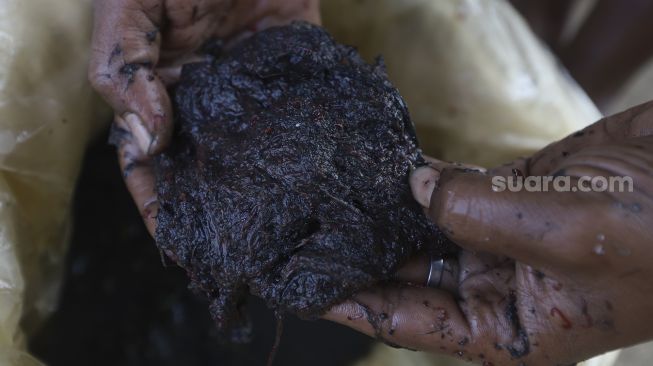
{"x": 288, "y": 176}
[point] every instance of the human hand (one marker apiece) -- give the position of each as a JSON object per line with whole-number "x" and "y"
{"x": 138, "y": 49}
{"x": 544, "y": 278}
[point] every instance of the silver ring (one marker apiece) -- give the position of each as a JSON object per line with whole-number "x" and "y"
{"x": 436, "y": 271}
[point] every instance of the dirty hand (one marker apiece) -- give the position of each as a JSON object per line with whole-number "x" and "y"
{"x": 544, "y": 278}
{"x": 138, "y": 48}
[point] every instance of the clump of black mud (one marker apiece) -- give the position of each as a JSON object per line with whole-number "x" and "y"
{"x": 288, "y": 176}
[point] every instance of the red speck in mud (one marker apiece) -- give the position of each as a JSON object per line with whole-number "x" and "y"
{"x": 566, "y": 324}
{"x": 487, "y": 363}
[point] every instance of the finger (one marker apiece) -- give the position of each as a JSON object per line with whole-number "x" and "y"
{"x": 170, "y": 72}
{"x": 279, "y": 12}
{"x": 126, "y": 44}
{"x": 478, "y": 330}
{"x": 188, "y": 31}
{"x": 169, "y": 75}
{"x": 423, "y": 179}
{"x": 422, "y": 184}
{"x": 437, "y": 163}
{"x": 409, "y": 317}
{"x": 416, "y": 272}
{"x": 539, "y": 228}
{"x": 138, "y": 173}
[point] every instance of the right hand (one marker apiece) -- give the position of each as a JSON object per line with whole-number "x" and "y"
{"x": 139, "y": 47}
{"x": 543, "y": 277}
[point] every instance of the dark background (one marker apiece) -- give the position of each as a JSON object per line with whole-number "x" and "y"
{"x": 120, "y": 306}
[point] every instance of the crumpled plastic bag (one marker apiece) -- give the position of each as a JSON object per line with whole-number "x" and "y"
{"x": 48, "y": 113}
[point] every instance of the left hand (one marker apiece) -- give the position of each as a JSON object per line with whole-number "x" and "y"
{"x": 139, "y": 47}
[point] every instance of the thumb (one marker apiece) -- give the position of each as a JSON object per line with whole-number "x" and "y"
{"x": 481, "y": 213}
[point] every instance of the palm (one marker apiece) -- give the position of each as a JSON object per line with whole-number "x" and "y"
{"x": 509, "y": 306}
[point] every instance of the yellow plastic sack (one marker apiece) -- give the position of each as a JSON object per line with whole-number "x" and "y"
{"x": 479, "y": 85}
{"x": 48, "y": 113}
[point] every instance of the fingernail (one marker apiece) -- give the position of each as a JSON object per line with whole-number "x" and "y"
{"x": 150, "y": 208}
{"x": 349, "y": 310}
{"x": 141, "y": 135}
{"x": 422, "y": 184}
